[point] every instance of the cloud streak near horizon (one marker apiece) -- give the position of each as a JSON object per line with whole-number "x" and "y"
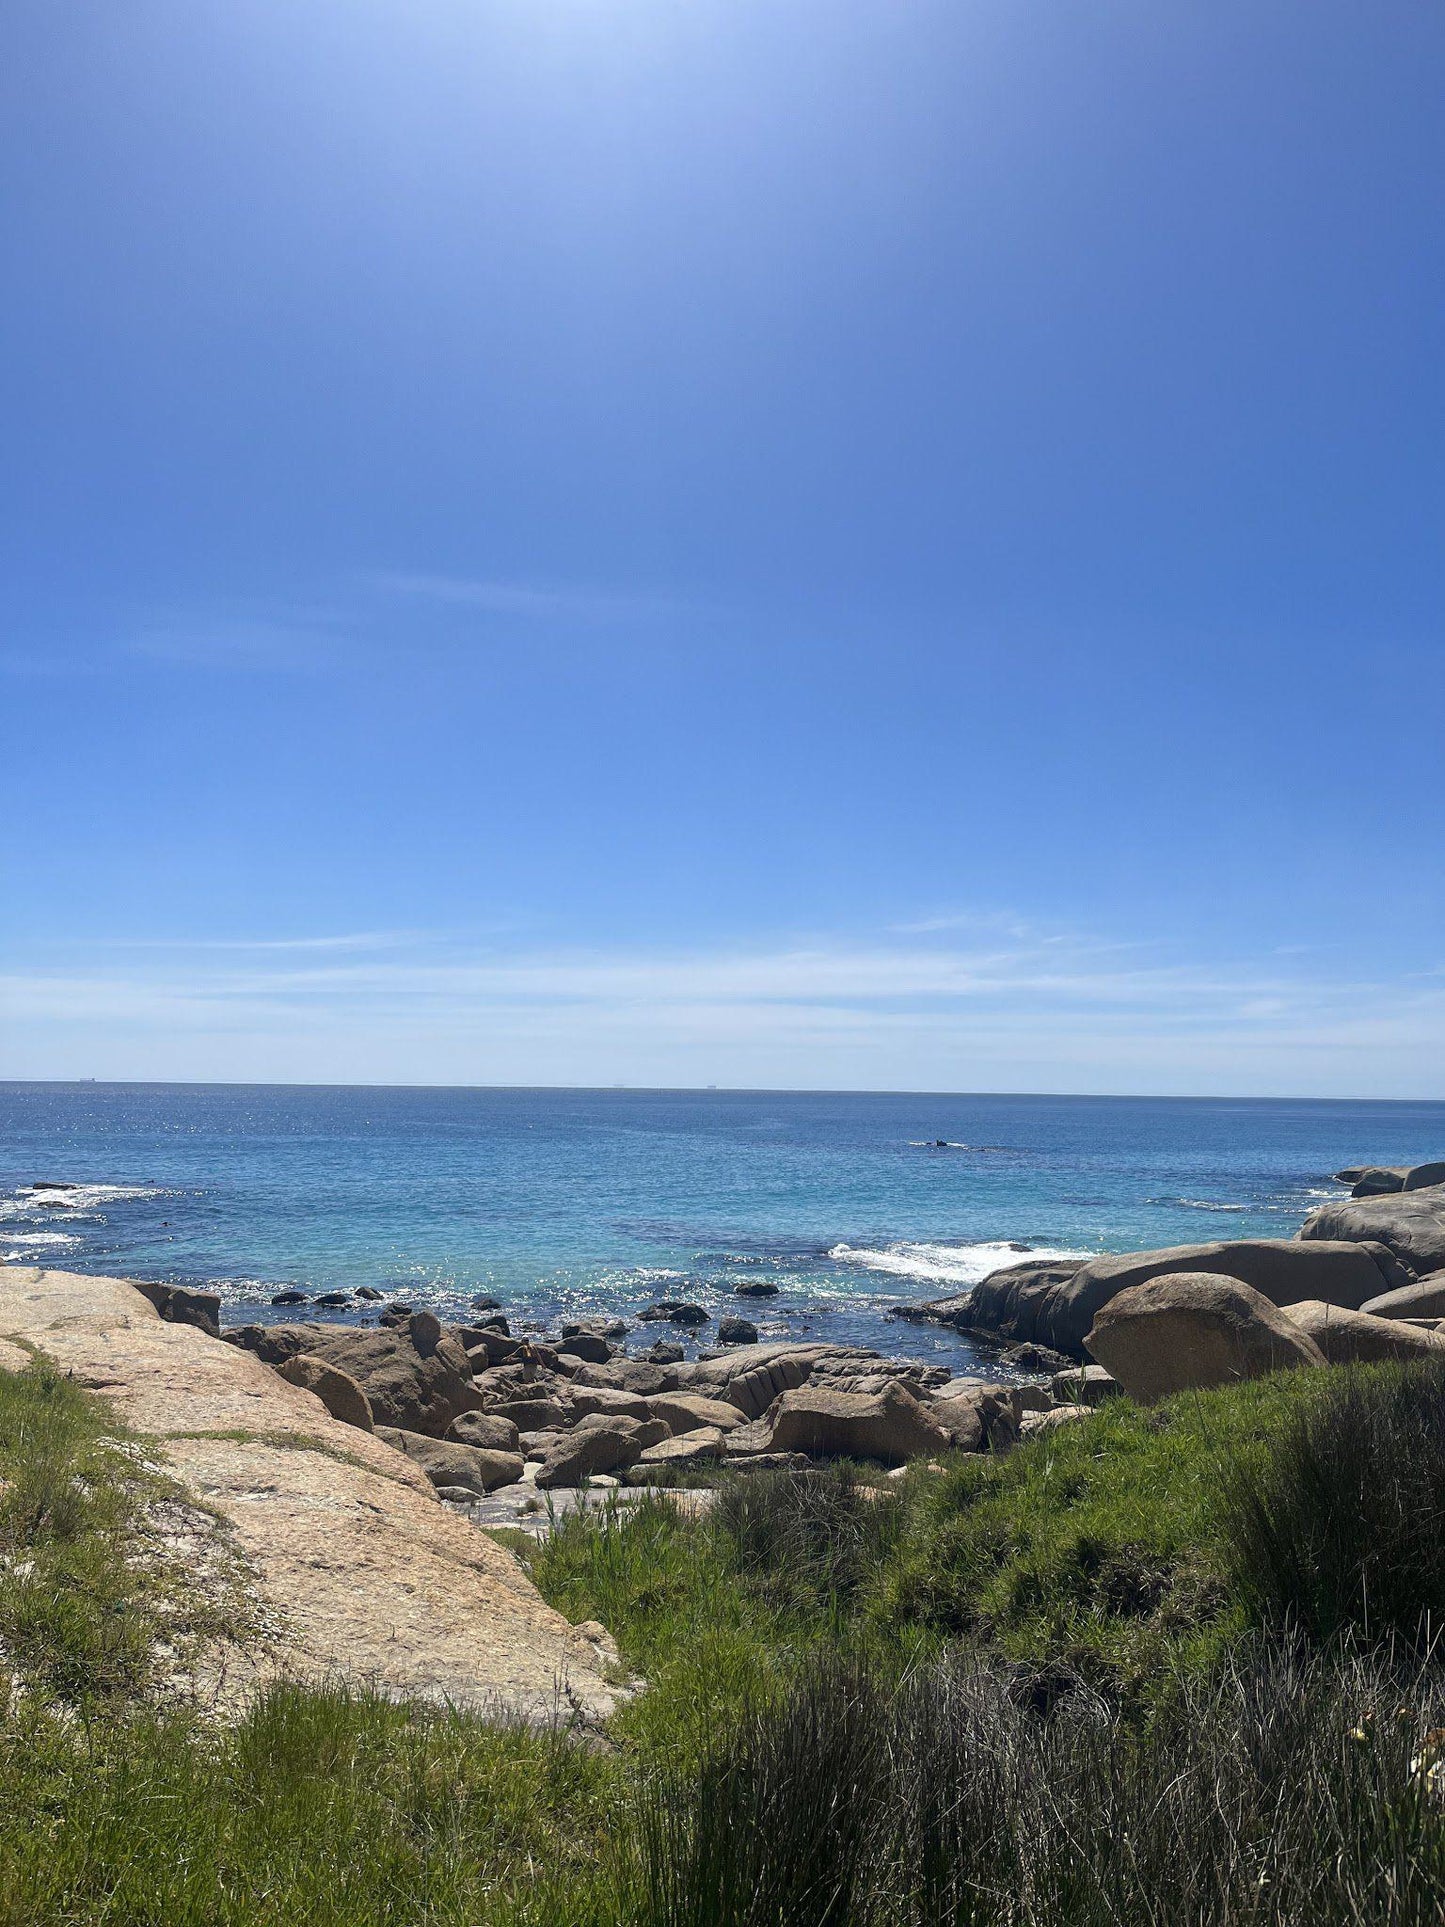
{"x": 1042, "y": 1012}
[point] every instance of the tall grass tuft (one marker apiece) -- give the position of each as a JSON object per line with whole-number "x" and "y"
{"x": 813, "y": 1538}
{"x": 1340, "y": 1525}
{"x": 1287, "y": 1789}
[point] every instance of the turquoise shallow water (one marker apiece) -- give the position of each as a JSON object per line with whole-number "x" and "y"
{"x": 578, "y": 1201}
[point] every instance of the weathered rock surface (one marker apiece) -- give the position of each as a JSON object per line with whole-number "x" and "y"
{"x": 416, "y": 1376}
{"x": 1186, "y": 1331}
{"x": 602, "y": 1443}
{"x": 977, "y": 1415}
{"x": 1056, "y": 1305}
{"x": 179, "y": 1305}
{"x": 1084, "y": 1385}
{"x": 447, "y": 1462}
{"x": 685, "y": 1412}
{"x": 692, "y": 1448}
{"x": 1377, "y": 1180}
{"x": 1351, "y": 1337}
{"x": 337, "y": 1390}
{"x": 1410, "y": 1224}
{"x": 889, "y": 1425}
{"x": 1032, "y": 1424}
{"x": 487, "y": 1430}
{"x": 363, "y": 1574}
{"x": 1424, "y": 1299}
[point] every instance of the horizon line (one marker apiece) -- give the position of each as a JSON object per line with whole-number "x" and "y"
{"x": 700, "y": 1090}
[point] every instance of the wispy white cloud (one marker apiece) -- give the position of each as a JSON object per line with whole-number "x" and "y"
{"x": 1041, "y": 1013}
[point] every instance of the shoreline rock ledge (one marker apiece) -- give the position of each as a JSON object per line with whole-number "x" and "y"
{"x": 358, "y": 1570}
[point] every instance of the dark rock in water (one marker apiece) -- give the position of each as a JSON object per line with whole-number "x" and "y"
{"x": 676, "y": 1311}
{"x": 737, "y": 1331}
{"x": 603, "y": 1327}
{"x": 496, "y": 1323}
{"x": 290, "y": 1298}
{"x": 483, "y": 1303}
{"x": 756, "y": 1288}
{"x": 1031, "y": 1357}
{"x": 665, "y": 1351}
{"x": 1410, "y": 1223}
{"x": 936, "y": 1311}
{"x": 179, "y": 1306}
{"x": 334, "y": 1298}
{"x": 369, "y": 1292}
{"x": 52, "y": 1184}
{"x": 1380, "y": 1180}
{"x": 1054, "y": 1304}
{"x": 396, "y": 1315}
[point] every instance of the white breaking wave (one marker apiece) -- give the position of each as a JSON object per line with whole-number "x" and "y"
{"x": 51, "y": 1239}
{"x": 935, "y": 1264}
{"x": 84, "y": 1197}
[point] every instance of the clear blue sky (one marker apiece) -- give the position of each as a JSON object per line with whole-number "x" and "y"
{"x": 868, "y": 543}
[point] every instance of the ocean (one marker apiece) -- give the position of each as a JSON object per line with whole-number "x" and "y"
{"x": 567, "y": 1203}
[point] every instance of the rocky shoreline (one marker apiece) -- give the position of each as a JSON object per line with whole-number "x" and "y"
{"x": 481, "y": 1410}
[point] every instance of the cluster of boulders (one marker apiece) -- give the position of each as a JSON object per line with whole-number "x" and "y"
{"x": 478, "y": 1409}
{"x": 1363, "y": 1281}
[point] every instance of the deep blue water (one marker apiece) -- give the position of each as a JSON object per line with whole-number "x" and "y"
{"x": 571, "y": 1201}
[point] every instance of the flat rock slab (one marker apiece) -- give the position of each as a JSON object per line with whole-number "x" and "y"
{"x": 364, "y": 1573}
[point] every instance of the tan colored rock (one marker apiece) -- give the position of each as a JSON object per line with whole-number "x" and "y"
{"x": 486, "y": 1429}
{"x": 605, "y": 1442}
{"x": 686, "y": 1412}
{"x": 1356, "y": 1337}
{"x": 337, "y": 1390}
{"x": 1032, "y": 1424}
{"x": 1085, "y": 1385}
{"x": 362, "y": 1574}
{"x": 1424, "y": 1299}
{"x": 889, "y": 1425}
{"x": 698, "y": 1447}
{"x": 977, "y": 1414}
{"x": 448, "y": 1463}
{"x": 1189, "y": 1330}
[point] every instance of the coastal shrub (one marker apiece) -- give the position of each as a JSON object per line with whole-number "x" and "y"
{"x": 1285, "y": 1788}
{"x": 1341, "y": 1523}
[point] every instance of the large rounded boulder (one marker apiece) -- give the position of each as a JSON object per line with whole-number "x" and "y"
{"x": 1409, "y": 1223}
{"x": 1356, "y": 1337}
{"x": 1055, "y": 1304}
{"x": 1188, "y": 1331}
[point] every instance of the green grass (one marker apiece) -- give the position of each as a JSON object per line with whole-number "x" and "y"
{"x": 916, "y": 1702}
